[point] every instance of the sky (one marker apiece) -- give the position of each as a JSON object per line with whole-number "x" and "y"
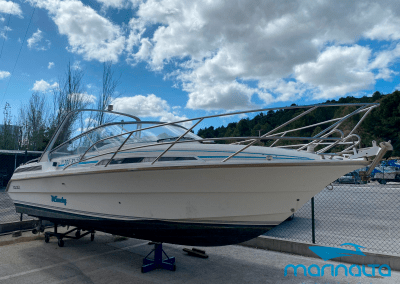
{"x": 180, "y": 59}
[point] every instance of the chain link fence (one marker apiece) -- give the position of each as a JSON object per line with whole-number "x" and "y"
{"x": 7, "y": 211}
{"x": 363, "y": 214}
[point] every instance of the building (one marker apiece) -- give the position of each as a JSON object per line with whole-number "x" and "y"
{"x": 11, "y": 159}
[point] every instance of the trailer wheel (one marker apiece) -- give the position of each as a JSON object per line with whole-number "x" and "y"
{"x": 60, "y": 243}
{"x": 46, "y": 238}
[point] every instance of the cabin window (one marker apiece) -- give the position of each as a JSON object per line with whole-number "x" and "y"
{"x": 143, "y": 160}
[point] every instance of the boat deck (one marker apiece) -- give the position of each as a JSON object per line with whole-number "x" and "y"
{"x": 111, "y": 259}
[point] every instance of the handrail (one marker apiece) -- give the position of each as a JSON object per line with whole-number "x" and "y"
{"x": 177, "y": 140}
{"x": 203, "y": 140}
{"x": 271, "y": 135}
{"x": 279, "y": 127}
{"x": 336, "y": 124}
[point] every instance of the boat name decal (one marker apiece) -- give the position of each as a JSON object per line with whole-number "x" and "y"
{"x": 54, "y": 198}
{"x": 66, "y": 162}
{"x": 16, "y": 187}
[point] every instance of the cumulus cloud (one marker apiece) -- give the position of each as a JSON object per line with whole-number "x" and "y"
{"x": 281, "y": 90}
{"x": 4, "y": 74}
{"x": 35, "y": 41}
{"x": 51, "y": 65}
{"x": 113, "y": 3}
{"x": 147, "y": 106}
{"x": 9, "y": 7}
{"x": 89, "y": 34}
{"x": 227, "y": 52}
{"x": 43, "y": 86}
{"x": 338, "y": 71}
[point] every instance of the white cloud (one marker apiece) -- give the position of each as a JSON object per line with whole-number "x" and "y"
{"x": 4, "y": 74}
{"x": 219, "y": 96}
{"x": 76, "y": 65}
{"x": 113, "y": 3}
{"x": 228, "y": 51}
{"x": 43, "y": 86}
{"x": 36, "y": 41}
{"x": 85, "y": 97}
{"x": 89, "y": 34}
{"x": 383, "y": 60}
{"x": 9, "y": 7}
{"x": 2, "y": 19}
{"x": 51, "y": 65}
{"x": 281, "y": 91}
{"x": 3, "y": 32}
{"x": 147, "y": 106}
{"x": 338, "y": 71}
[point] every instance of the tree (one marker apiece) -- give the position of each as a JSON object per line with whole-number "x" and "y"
{"x": 109, "y": 84}
{"x": 33, "y": 121}
{"x": 69, "y": 96}
{"x": 8, "y": 132}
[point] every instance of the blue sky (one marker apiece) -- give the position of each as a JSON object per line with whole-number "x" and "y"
{"x": 182, "y": 59}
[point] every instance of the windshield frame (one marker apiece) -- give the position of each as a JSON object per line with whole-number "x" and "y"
{"x": 154, "y": 124}
{"x": 45, "y": 156}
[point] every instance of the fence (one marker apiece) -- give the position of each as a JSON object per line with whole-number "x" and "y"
{"x": 364, "y": 214}
{"x": 7, "y": 211}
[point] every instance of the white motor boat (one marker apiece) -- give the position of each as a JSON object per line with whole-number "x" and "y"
{"x": 112, "y": 172}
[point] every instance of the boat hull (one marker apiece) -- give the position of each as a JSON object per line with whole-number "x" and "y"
{"x": 190, "y": 205}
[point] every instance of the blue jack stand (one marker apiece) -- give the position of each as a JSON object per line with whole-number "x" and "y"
{"x": 158, "y": 262}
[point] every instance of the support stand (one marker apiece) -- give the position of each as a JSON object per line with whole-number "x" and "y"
{"x": 158, "y": 262}
{"x": 60, "y": 236}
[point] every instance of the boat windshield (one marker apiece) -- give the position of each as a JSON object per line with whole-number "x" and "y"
{"x": 83, "y": 135}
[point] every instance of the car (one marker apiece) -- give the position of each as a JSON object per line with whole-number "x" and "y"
{"x": 352, "y": 177}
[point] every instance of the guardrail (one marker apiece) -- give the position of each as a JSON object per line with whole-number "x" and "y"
{"x": 319, "y": 139}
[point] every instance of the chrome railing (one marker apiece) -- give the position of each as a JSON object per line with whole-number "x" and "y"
{"x": 322, "y": 138}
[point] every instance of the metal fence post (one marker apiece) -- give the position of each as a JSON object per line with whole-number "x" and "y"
{"x": 312, "y": 220}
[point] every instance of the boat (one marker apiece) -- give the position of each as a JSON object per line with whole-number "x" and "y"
{"x": 112, "y": 172}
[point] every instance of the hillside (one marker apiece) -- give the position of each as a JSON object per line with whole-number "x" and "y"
{"x": 382, "y": 124}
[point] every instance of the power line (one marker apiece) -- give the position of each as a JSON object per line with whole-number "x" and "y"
{"x": 5, "y": 36}
{"x": 22, "y": 44}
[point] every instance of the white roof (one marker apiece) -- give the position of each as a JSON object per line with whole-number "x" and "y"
{"x": 22, "y": 152}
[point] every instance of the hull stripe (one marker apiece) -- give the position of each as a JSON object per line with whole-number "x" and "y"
{"x": 85, "y": 214}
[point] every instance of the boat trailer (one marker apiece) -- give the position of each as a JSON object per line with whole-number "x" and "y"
{"x": 61, "y": 236}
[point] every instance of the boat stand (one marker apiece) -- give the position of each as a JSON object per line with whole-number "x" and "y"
{"x": 158, "y": 262}
{"x": 60, "y": 236}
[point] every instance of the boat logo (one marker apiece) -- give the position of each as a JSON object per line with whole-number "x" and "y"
{"x": 54, "y": 198}
{"x": 327, "y": 253}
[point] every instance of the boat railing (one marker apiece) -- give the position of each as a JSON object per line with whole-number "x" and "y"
{"x": 322, "y": 138}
